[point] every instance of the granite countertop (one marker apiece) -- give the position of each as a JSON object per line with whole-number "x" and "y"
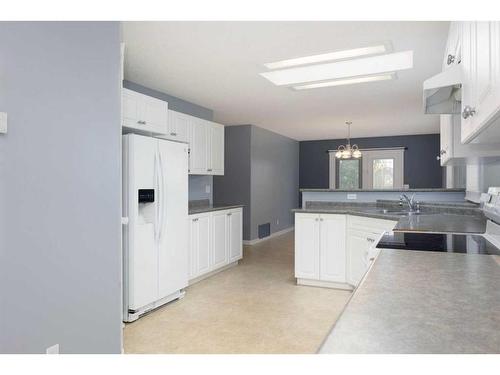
{"x": 422, "y": 302}
{"x": 441, "y": 223}
{"x": 435, "y": 216}
{"x": 385, "y": 190}
{"x": 203, "y": 205}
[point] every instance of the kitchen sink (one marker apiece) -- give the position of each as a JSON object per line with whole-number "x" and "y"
{"x": 398, "y": 212}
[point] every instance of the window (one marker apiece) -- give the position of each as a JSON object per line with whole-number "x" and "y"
{"x": 377, "y": 169}
{"x": 349, "y": 173}
{"x": 383, "y": 173}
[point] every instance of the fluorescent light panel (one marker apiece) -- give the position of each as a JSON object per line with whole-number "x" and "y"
{"x": 337, "y": 55}
{"x": 348, "y": 81}
{"x": 361, "y": 67}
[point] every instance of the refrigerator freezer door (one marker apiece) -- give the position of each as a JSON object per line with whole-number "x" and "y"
{"x": 141, "y": 250}
{"x": 173, "y": 237}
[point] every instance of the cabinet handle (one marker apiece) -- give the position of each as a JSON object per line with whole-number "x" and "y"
{"x": 141, "y": 122}
{"x": 370, "y": 239}
{"x": 209, "y": 170}
{"x": 229, "y": 214}
{"x": 317, "y": 219}
{"x": 468, "y": 112}
{"x": 195, "y": 219}
{"x": 320, "y": 219}
{"x": 450, "y": 60}
{"x": 442, "y": 152}
{"x": 174, "y": 134}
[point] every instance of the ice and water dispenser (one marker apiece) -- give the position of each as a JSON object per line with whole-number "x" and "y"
{"x": 146, "y": 206}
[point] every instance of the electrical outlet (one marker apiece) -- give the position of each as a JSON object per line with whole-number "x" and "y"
{"x": 352, "y": 196}
{"x": 3, "y": 122}
{"x": 207, "y": 189}
{"x": 54, "y": 349}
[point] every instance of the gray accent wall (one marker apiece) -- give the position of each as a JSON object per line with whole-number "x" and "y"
{"x": 197, "y": 184}
{"x": 422, "y": 170}
{"x": 274, "y": 180}
{"x": 235, "y": 186}
{"x": 261, "y": 172}
{"x": 60, "y": 187}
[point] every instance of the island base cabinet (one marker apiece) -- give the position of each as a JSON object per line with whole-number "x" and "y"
{"x": 216, "y": 242}
{"x": 320, "y": 250}
{"x": 332, "y": 250}
{"x": 362, "y": 234}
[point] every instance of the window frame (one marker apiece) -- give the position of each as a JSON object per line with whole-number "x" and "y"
{"x": 368, "y": 155}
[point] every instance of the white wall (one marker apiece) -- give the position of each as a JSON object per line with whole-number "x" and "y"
{"x": 60, "y": 186}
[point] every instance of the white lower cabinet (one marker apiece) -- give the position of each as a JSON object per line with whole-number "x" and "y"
{"x": 199, "y": 244}
{"x": 320, "y": 248}
{"x": 331, "y": 250}
{"x": 219, "y": 240}
{"x": 215, "y": 241}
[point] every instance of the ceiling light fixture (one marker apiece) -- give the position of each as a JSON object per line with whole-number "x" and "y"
{"x": 361, "y": 67}
{"x": 336, "y": 55}
{"x": 348, "y": 81}
{"x": 348, "y": 151}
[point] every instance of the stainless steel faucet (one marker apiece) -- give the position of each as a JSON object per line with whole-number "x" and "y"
{"x": 413, "y": 205}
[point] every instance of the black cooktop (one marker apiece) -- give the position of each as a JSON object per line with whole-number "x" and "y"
{"x": 452, "y": 243}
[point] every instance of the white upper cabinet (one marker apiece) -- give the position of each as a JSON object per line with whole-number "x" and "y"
{"x": 216, "y": 149}
{"x": 144, "y": 113}
{"x": 480, "y": 43}
{"x": 452, "y": 55}
{"x": 198, "y": 147}
{"x": 178, "y": 126}
{"x": 206, "y": 143}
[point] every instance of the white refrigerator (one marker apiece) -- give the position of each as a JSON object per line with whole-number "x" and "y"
{"x": 155, "y": 240}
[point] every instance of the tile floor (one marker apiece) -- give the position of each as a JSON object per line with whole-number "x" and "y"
{"x": 255, "y": 307}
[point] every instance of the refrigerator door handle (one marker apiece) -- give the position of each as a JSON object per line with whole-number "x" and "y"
{"x": 161, "y": 185}
{"x": 157, "y": 205}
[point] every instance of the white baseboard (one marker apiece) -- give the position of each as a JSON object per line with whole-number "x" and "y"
{"x": 324, "y": 284}
{"x": 213, "y": 272}
{"x": 275, "y": 234}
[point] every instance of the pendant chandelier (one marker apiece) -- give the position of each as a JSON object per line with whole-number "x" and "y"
{"x": 348, "y": 151}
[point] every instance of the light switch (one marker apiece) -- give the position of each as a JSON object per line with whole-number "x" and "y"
{"x": 3, "y": 122}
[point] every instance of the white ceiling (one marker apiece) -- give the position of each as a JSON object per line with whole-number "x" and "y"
{"x": 216, "y": 65}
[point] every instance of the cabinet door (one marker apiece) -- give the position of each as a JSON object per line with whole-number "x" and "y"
{"x": 199, "y": 245}
{"x": 155, "y": 113}
{"x": 332, "y": 248}
{"x": 219, "y": 240}
{"x": 481, "y": 91}
{"x": 198, "y": 145}
{"x": 203, "y": 264}
{"x": 358, "y": 243}
{"x": 182, "y": 127}
{"x": 130, "y": 109}
{"x": 216, "y": 149}
{"x": 235, "y": 232}
{"x": 178, "y": 126}
{"x": 194, "y": 245}
{"x": 452, "y": 55}
{"x": 446, "y": 138}
{"x": 307, "y": 246}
